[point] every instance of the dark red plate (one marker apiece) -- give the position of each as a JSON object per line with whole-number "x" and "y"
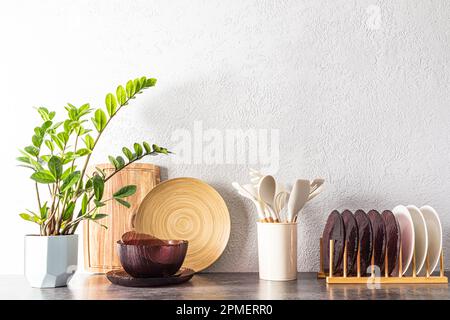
{"x": 393, "y": 240}
{"x": 365, "y": 240}
{"x": 121, "y": 278}
{"x": 334, "y": 230}
{"x": 351, "y": 237}
{"x": 379, "y": 237}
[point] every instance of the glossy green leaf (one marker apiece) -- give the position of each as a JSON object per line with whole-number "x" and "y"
{"x": 97, "y": 216}
{"x": 150, "y": 82}
{"x": 127, "y": 152}
{"x": 89, "y": 142}
{"x": 125, "y": 192}
{"x": 32, "y": 150}
{"x": 123, "y": 202}
{"x": 99, "y": 186}
{"x": 113, "y": 161}
{"x": 68, "y": 213}
{"x": 147, "y": 147}
{"x": 138, "y": 149}
{"x": 111, "y": 104}
{"x": 130, "y": 89}
{"x": 37, "y": 141}
{"x": 71, "y": 179}
{"x": 55, "y": 166}
{"x": 99, "y": 204}
{"x": 44, "y": 177}
{"x": 50, "y": 145}
{"x": 121, "y": 95}
{"x": 99, "y": 120}
{"x": 83, "y": 152}
{"x": 120, "y": 161}
{"x": 84, "y": 204}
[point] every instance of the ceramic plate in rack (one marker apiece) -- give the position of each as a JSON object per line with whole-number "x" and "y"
{"x": 334, "y": 230}
{"x": 407, "y": 235}
{"x": 365, "y": 240}
{"x": 434, "y": 231}
{"x": 393, "y": 240}
{"x": 379, "y": 237}
{"x": 420, "y": 236}
{"x": 351, "y": 237}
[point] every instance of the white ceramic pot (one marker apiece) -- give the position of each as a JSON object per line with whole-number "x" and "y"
{"x": 50, "y": 261}
{"x": 277, "y": 251}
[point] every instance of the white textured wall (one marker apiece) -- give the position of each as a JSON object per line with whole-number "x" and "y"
{"x": 368, "y": 110}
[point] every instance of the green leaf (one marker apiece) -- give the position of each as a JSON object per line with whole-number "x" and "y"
{"x": 120, "y": 161}
{"x": 38, "y": 131}
{"x": 147, "y": 147}
{"x": 71, "y": 179}
{"x": 150, "y": 82}
{"x": 127, "y": 152}
{"x": 50, "y": 145}
{"x": 68, "y": 213}
{"x": 46, "y": 125}
{"x": 27, "y": 217}
{"x": 43, "y": 112}
{"x": 55, "y": 166}
{"x": 113, "y": 162}
{"x": 137, "y": 85}
{"x": 111, "y": 104}
{"x": 51, "y": 115}
{"x": 97, "y": 216}
{"x": 46, "y": 158}
{"x": 138, "y": 149}
{"x": 99, "y": 120}
{"x": 83, "y": 152}
{"x": 84, "y": 204}
{"x": 24, "y": 160}
{"x": 64, "y": 137}
{"x": 123, "y": 202}
{"x": 57, "y": 141}
{"x": 130, "y": 89}
{"x": 32, "y": 150}
{"x": 37, "y": 141}
{"x": 89, "y": 142}
{"x": 44, "y": 177}
{"x": 121, "y": 95}
{"x": 99, "y": 204}
{"x": 44, "y": 211}
{"x": 125, "y": 192}
{"x": 99, "y": 186}
{"x": 67, "y": 172}
{"x": 142, "y": 82}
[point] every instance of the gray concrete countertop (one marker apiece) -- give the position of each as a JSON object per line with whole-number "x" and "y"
{"x": 220, "y": 286}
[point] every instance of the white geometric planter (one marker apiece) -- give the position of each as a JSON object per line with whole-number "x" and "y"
{"x": 50, "y": 261}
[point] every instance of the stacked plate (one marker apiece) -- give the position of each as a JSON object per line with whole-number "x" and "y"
{"x": 418, "y": 232}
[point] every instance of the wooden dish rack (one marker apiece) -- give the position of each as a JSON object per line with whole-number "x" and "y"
{"x": 372, "y": 278}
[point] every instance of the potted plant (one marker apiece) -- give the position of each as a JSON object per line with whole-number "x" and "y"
{"x": 66, "y": 195}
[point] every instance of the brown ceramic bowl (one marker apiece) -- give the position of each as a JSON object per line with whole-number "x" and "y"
{"x": 152, "y": 257}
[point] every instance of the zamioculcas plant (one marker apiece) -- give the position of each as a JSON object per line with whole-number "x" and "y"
{"x": 59, "y": 157}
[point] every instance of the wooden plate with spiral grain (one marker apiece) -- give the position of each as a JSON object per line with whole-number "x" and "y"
{"x": 187, "y": 209}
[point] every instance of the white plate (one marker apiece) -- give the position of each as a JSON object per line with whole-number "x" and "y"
{"x": 406, "y": 235}
{"x": 434, "y": 229}
{"x": 420, "y": 236}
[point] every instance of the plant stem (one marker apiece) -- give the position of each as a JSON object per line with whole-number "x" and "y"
{"x": 38, "y": 197}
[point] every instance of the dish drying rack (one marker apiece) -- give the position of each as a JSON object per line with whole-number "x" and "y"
{"x": 372, "y": 278}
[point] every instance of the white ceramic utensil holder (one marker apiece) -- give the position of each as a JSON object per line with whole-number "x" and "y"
{"x": 277, "y": 251}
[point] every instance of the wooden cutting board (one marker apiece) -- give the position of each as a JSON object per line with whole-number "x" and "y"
{"x": 99, "y": 243}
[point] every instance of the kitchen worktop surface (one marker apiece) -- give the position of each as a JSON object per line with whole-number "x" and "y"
{"x": 220, "y": 286}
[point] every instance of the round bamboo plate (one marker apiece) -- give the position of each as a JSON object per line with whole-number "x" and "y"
{"x": 187, "y": 209}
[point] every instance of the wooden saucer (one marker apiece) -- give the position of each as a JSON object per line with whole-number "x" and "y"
{"x": 121, "y": 278}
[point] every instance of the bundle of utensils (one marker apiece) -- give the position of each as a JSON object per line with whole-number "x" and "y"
{"x": 274, "y": 203}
